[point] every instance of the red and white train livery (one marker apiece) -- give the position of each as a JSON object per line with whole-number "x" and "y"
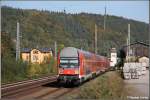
{"x": 76, "y": 66}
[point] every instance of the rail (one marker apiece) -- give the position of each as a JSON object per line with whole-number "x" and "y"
{"x": 10, "y": 89}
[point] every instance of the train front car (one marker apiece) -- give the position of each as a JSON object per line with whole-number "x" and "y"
{"x": 76, "y": 66}
{"x": 68, "y": 66}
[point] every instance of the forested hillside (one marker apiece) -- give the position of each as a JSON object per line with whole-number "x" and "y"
{"x": 42, "y": 28}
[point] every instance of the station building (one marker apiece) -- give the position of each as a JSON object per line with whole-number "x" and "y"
{"x": 140, "y": 51}
{"x": 137, "y": 49}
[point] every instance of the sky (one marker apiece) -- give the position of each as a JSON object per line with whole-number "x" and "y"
{"x": 137, "y": 10}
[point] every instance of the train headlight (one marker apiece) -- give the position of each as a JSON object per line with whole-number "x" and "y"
{"x": 76, "y": 71}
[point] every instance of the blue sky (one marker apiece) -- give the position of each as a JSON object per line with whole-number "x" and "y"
{"x": 137, "y": 10}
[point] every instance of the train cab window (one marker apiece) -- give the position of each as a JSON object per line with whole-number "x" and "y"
{"x": 69, "y": 63}
{"x": 74, "y": 61}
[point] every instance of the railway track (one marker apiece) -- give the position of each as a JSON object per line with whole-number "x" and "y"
{"x": 56, "y": 92}
{"x": 42, "y": 88}
{"x": 52, "y": 90}
{"x": 9, "y": 90}
{"x": 21, "y": 81}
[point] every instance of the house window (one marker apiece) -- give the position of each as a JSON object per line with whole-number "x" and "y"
{"x": 45, "y": 58}
{"x": 35, "y": 52}
{"x": 35, "y": 57}
{"x": 27, "y": 57}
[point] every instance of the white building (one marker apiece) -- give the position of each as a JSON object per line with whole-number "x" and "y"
{"x": 113, "y": 58}
{"x": 144, "y": 61}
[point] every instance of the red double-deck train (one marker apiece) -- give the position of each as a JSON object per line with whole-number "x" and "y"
{"x": 76, "y": 66}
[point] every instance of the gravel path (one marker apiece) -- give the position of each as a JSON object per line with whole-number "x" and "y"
{"x": 138, "y": 88}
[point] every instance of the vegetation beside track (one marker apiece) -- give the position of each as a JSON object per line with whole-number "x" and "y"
{"x": 109, "y": 86}
{"x": 20, "y": 70}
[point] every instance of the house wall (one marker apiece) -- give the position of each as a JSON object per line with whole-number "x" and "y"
{"x": 39, "y": 57}
{"x": 36, "y": 56}
{"x": 25, "y": 57}
{"x": 46, "y": 57}
{"x": 144, "y": 61}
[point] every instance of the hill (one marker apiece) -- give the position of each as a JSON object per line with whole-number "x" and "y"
{"x": 42, "y": 28}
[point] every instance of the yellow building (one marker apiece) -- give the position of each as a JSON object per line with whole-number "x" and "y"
{"x": 25, "y": 54}
{"x": 37, "y": 55}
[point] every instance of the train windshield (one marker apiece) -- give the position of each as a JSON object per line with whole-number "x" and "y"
{"x": 69, "y": 63}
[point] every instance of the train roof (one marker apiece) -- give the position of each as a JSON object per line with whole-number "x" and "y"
{"x": 69, "y": 52}
{"x": 73, "y": 52}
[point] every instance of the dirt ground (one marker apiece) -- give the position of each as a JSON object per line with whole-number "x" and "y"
{"x": 138, "y": 88}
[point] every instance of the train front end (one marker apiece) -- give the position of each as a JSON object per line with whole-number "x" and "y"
{"x": 68, "y": 66}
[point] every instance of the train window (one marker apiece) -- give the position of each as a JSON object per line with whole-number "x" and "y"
{"x": 73, "y": 61}
{"x": 63, "y": 61}
{"x": 69, "y": 63}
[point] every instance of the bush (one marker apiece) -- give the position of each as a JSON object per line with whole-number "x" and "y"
{"x": 35, "y": 70}
{"x": 13, "y": 70}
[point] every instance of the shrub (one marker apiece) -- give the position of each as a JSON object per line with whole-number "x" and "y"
{"x": 35, "y": 70}
{"x": 13, "y": 70}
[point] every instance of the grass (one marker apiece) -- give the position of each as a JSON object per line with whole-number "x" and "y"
{"x": 109, "y": 86}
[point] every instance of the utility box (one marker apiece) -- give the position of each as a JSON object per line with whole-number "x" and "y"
{"x": 113, "y": 58}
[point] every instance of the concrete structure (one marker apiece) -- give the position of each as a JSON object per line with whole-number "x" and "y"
{"x": 133, "y": 70}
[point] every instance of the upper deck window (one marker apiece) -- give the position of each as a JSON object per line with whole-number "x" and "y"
{"x": 69, "y": 63}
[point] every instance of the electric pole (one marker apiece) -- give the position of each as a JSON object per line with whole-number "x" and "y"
{"x": 105, "y": 19}
{"x": 104, "y": 31}
{"x": 129, "y": 38}
{"x": 127, "y": 54}
{"x": 55, "y": 46}
{"x": 18, "y": 43}
{"x": 95, "y": 39}
{"x": 65, "y": 24}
